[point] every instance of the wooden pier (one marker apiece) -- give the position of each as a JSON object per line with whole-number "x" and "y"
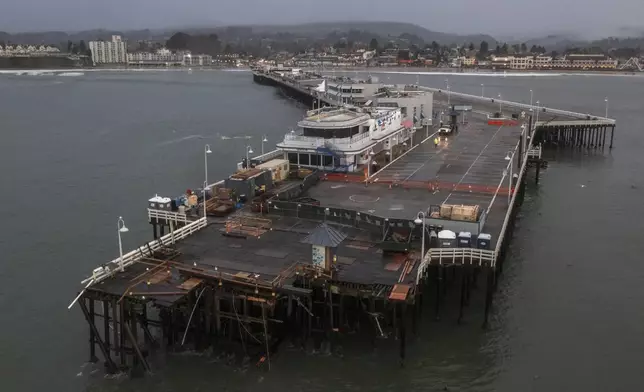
{"x": 325, "y": 255}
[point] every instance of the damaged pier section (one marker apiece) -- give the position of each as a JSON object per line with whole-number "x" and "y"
{"x": 317, "y": 256}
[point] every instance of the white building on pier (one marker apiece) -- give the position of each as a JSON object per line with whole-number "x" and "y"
{"x": 338, "y": 138}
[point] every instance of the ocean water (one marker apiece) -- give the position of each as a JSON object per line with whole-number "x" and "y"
{"x": 79, "y": 150}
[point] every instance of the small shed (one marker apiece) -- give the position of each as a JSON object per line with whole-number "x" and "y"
{"x": 324, "y": 241}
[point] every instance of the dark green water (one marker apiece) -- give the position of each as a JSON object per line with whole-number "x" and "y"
{"x": 77, "y": 152}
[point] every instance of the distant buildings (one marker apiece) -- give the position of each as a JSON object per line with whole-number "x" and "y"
{"x": 164, "y": 57}
{"x": 28, "y": 50}
{"x": 109, "y": 52}
{"x": 197, "y": 59}
{"x": 570, "y": 61}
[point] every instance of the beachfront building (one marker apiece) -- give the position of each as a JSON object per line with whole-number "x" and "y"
{"x": 109, "y": 52}
{"x": 591, "y": 61}
{"x": 160, "y": 57}
{"x": 541, "y": 62}
{"x": 521, "y": 62}
{"x": 197, "y": 59}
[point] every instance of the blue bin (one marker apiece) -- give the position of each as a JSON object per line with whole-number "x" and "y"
{"x": 464, "y": 239}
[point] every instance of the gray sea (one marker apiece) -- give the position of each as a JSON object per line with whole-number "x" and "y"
{"x": 79, "y": 150}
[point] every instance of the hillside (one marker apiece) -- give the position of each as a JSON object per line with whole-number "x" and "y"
{"x": 309, "y": 30}
{"x": 382, "y": 29}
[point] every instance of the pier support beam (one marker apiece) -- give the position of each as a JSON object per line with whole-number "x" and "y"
{"x": 92, "y": 335}
{"x": 612, "y": 134}
{"x": 489, "y": 294}
{"x": 106, "y": 325}
{"x": 464, "y": 284}
{"x": 402, "y": 332}
{"x": 111, "y": 366}
{"x": 603, "y": 137}
{"x": 439, "y": 278}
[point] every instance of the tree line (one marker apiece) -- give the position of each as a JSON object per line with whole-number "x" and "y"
{"x": 201, "y": 44}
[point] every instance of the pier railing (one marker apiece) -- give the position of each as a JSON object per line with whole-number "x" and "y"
{"x": 137, "y": 254}
{"x": 175, "y": 217}
{"x": 457, "y": 256}
{"x": 585, "y": 123}
{"x": 519, "y": 105}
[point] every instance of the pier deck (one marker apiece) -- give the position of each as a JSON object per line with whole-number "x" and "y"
{"x": 266, "y": 260}
{"x": 257, "y": 278}
{"x": 466, "y": 168}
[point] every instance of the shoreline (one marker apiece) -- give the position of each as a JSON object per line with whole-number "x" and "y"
{"x": 472, "y": 72}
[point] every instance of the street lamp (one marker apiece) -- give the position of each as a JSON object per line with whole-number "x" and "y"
{"x": 508, "y": 157}
{"x": 530, "y": 99}
{"x": 419, "y": 221}
{"x": 207, "y": 151}
{"x": 264, "y": 140}
{"x": 371, "y": 154}
{"x": 606, "y": 100}
{"x": 537, "y": 114}
{"x": 205, "y": 186}
{"x": 249, "y": 150}
{"x": 482, "y": 90}
{"x": 121, "y": 228}
{"x": 500, "y": 104}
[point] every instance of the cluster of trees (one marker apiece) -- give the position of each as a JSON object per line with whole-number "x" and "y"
{"x": 245, "y": 42}
{"x": 79, "y": 48}
{"x": 202, "y": 44}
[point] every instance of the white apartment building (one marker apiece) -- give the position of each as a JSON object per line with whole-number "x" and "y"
{"x": 542, "y": 61}
{"x": 521, "y": 62}
{"x": 161, "y": 56}
{"x": 109, "y": 52}
{"x": 197, "y": 59}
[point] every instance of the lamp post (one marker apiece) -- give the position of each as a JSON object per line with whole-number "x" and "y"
{"x": 205, "y": 186}
{"x": 530, "y": 99}
{"x": 606, "y": 100}
{"x": 371, "y": 154}
{"x": 509, "y": 157}
{"x": 535, "y": 124}
{"x": 500, "y": 104}
{"x": 121, "y": 228}
{"x": 482, "y": 90}
{"x": 419, "y": 221}
{"x": 206, "y": 151}
{"x": 249, "y": 150}
{"x": 264, "y": 140}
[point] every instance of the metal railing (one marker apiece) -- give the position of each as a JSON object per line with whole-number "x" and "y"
{"x": 517, "y": 104}
{"x": 534, "y": 153}
{"x": 137, "y": 254}
{"x": 269, "y": 155}
{"x": 556, "y": 123}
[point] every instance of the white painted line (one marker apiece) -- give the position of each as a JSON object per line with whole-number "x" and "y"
{"x": 472, "y": 165}
{"x": 406, "y": 152}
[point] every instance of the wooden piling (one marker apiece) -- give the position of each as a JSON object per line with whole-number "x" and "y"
{"x": 92, "y": 334}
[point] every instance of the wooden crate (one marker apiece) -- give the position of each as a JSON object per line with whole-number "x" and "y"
{"x": 446, "y": 211}
{"x": 459, "y": 212}
{"x": 465, "y": 213}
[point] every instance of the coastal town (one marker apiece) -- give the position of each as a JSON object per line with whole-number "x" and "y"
{"x": 183, "y": 50}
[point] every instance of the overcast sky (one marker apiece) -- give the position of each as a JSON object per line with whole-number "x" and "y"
{"x": 496, "y": 17}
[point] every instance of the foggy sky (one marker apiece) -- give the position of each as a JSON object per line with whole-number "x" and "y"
{"x": 496, "y": 17}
